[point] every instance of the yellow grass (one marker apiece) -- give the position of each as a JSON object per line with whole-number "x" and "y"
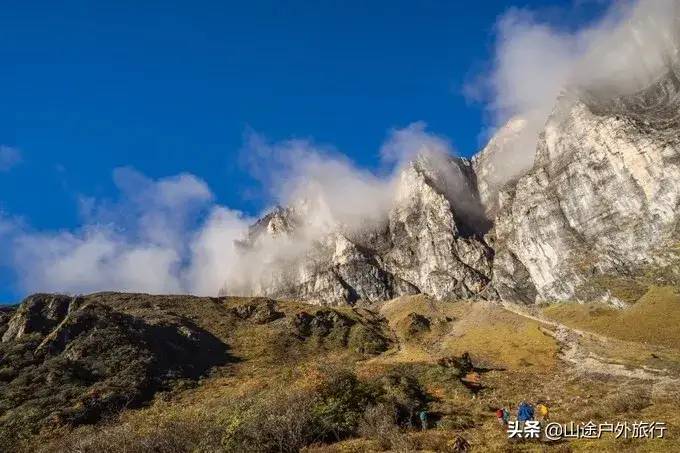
{"x": 492, "y": 335}
{"x": 654, "y": 319}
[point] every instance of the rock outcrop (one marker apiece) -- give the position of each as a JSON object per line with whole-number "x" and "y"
{"x": 429, "y": 242}
{"x": 40, "y": 314}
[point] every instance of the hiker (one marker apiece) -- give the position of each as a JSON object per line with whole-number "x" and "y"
{"x": 423, "y": 419}
{"x": 543, "y": 411}
{"x": 525, "y": 412}
{"x": 506, "y": 416}
{"x": 500, "y": 416}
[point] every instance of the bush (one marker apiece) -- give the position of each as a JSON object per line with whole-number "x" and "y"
{"x": 632, "y": 400}
{"x": 287, "y": 418}
{"x": 379, "y": 422}
{"x": 404, "y": 394}
{"x": 341, "y": 402}
{"x": 278, "y": 422}
{"x": 366, "y": 340}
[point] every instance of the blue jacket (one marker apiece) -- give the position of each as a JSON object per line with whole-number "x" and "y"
{"x": 525, "y": 412}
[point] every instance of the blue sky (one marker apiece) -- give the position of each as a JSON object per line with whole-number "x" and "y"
{"x": 170, "y": 87}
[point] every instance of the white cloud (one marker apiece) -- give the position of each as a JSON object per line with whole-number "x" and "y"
{"x": 623, "y": 52}
{"x": 95, "y": 259}
{"x": 140, "y": 242}
{"x": 534, "y": 62}
{"x": 168, "y": 235}
{"x": 9, "y": 158}
{"x": 333, "y": 189}
{"x": 214, "y": 257}
{"x": 402, "y": 145}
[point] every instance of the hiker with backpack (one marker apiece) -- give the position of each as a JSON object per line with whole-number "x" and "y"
{"x": 543, "y": 411}
{"x": 525, "y": 412}
{"x": 499, "y": 416}
{"x": 503, "y": 416}
{"x": 423, "y": 419}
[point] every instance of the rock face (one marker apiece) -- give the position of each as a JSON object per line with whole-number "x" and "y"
{"x": 602, "y": 198}
{"x": 432, "y": 247}
{"x": 426, "y": 243}
{"x": 597, "y": 199}
{"x": 38, "y": 314}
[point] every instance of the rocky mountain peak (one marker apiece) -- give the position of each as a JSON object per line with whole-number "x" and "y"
{"x": 426, "y": 241}
{"x": 278, "y": 222}
{"x": 596, "y": 199}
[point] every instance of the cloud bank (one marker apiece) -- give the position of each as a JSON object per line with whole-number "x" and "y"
{"x": 145, "y": 241}
{"x": 168, "y": 235}
{"x": 535, "y": 62}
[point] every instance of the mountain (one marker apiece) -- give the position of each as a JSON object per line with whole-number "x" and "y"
{"x": 592, "y": 218}
{"x": 428, "y": 241}
{"x": 595, "y": 206}
{"x": 71, "y": 361}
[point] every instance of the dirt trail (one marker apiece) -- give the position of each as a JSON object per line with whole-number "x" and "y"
{"x": 576, "y": 348}
{"x": 584, "y": 361}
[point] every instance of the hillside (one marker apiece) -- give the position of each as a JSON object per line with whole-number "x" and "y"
{"x": 136, "y": 373}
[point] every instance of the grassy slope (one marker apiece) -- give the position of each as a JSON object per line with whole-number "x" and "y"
{"x": 499, "y": 338}
{"x": 267, "y": 357}
{"x": 494, "y": 337}
{"x": 653, "y": 319}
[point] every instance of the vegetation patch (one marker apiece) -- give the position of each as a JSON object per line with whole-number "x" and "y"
{"x": 286, "y": 417}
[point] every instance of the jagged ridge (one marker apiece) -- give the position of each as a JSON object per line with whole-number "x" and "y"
{"x": 601, "y": 199}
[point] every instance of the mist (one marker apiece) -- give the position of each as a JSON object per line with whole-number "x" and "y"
{"x": 535, "y": 62}
{"x": 168, "y": 235}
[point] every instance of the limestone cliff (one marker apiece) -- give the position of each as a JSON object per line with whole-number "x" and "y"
{"x": 426, "y": 243}
{"x": 597, "y": 199}
{"x": 602, "y": 198}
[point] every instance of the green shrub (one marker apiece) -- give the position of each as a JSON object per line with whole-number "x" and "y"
{"x": 366, "y": 340}
{"x": 404, "y": 394}
{"x": 285, "y": 420}
{"x": 379, "y": 423}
